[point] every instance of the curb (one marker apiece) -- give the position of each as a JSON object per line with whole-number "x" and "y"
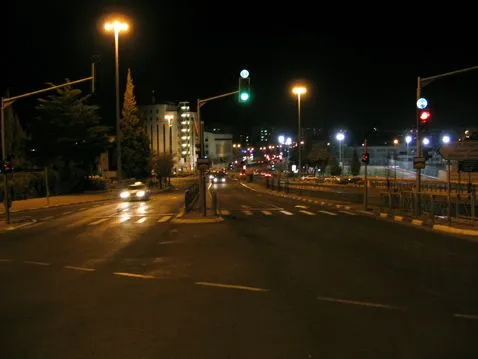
{"x": 180, "y": 220}
{"x": 22, "y": 224}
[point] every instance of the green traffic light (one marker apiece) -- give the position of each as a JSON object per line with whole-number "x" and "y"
{"x": 244, "y": 96}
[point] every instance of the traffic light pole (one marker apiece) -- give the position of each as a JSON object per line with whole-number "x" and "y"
{"x": 202, "y": 170}
{"x": 6, "y": 102}
{"x": 365, "y": 194}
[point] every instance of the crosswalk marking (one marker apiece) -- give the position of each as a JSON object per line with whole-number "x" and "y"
{"x": 287, "y": 213}
{"x": 307, "y": 212}
{"x": 141, "y": 220}
{"x": 329, "y": 213}
{"x": 267, "y": 213}
{"x": 349, "y": 213}
{"x": 249, "y": 213}
{"x": 225, "y": 212}
{"x": 164, "y": 219}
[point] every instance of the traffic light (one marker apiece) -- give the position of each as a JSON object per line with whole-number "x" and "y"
{"x": 244, "y": 89}
{"x": 365, "y": 158}
{"x": 7, "y": 166}
{"x": 424, "y": 119}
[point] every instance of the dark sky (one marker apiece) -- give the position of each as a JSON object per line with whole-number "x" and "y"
{"x": 360, "y": 63}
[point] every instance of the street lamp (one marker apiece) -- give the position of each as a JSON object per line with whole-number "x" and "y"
{"x": 340, "y": 137}
{"x": 408, "y": 139}
{"x": 445, "y": 139}
{"x": 299, "y": 90}
{"x": 116, "y": 27}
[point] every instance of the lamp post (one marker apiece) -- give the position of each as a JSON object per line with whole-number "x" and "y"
{"x": 299, "y": 90}
{"x": 340, "y": 137}
{"x": 169, "y": 118}
{"x": 408, "y": 139}
{"x": 116, "y": 27}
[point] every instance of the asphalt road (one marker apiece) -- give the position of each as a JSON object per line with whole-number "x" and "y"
{"x": 276, "y": 279}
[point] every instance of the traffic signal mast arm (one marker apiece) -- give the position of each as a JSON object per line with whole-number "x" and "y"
{"x": 203, "y": 101}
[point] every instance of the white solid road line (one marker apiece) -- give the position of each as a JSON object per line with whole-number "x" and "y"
{"x": 329, "y": 213}
{"x": 164, "y": 219}
{"x": 98, "y": 221}
{"x": 287, "y": 213}
{"x": 363, "y": 304}
{"x": 232, "y": 286}
{"x": 80, "y": 268}
{"x": 37, "y": 263}
{"x": 307, "y": 212}
{"x": 133, "y": 275}
{"x": 466, "y": 316}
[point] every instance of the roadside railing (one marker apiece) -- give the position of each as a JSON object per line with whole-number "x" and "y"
{"x": 191, "y": 195}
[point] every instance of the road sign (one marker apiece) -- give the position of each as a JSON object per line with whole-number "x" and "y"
{"x": 460, "y": 151}
{"x": 422, "y": 103}
{"x": 419, "y": 163}
{"x": 203, "y": 164}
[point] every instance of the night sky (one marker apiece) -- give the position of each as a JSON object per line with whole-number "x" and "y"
{"x": 360, "y": 64}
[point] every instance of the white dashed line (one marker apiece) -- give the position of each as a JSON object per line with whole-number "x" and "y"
{"x": 349, "y": 213}
{"x": 164, "y": 219}
{"x": 37, "y": 263}
{"x": 363, "y": 304}
{"x": 466, "y": 316}
{"x": 5, "y": 261}
{"x": 301, "y": 206}
{"x": 232, "y": 286}
{"x": 307, "y": 212}
{"x": 80, "y": 268}
{"x": 133, "y": 275}
{"x": 329, "y": 213}
{"x": 287, "y": 213}
{"x": 98, "y": 221}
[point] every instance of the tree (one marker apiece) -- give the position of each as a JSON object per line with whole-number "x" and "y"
{"x": 67, "y": 129}
{"x": 334, "y": 167}
{"x": 16, "y": 140}
{"x": 318, "y": 156}
{"x": 163, "y": 164}
{"x": 136, "y": 153}
{"x": 355, "y": 165}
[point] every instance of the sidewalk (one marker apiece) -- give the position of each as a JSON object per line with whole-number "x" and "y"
{"x": 463, "y": 228}
{"x": 56, "y": 201}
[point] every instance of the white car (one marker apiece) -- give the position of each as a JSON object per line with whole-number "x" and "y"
{"x": 137, "y": 191}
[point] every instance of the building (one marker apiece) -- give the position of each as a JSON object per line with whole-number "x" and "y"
{"x": 218, "y": 147}
{"x": 170, "y": 129}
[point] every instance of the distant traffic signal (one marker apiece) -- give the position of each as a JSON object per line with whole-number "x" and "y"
{"x": 424, "y": 119}
{"x": 365, "y": 158}
{"x": 244, "y": 89}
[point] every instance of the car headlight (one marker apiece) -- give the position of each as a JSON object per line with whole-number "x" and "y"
{"x": 223, "y": 180}
{"x": 215, "y": 180}
{"x": 211, "y": 176}
{"x": 140, "y": 194}
{"x": 124, "y": 194}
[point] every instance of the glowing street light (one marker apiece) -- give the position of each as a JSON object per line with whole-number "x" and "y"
{"x": 395, "y": 141}
{"x": 299, "y": 90}
{"x": 408, "y": 139}
{"x": 340, "y": 137}
{"x": 117, "y": 26}
{"x": 281, "y": 139}
{"x": 445, "y": 139}
{"x": 426, "y": 141}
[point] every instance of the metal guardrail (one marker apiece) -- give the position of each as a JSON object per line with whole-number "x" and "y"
{"x": 191, "y": 195}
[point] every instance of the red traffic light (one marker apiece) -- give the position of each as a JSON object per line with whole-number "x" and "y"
{"x": 425, "y": 116}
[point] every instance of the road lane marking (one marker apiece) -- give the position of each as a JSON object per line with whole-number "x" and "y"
{"x": 363, "y": 304}
{"x": 349, "y": 213}
{"x": 67, "y": 212}
{"x": 5, "y": 261}
{"x": 301, "y": 206}
{"x": 49, "y": 217}
{"x": 248, "y": 213}
{"x": 98, "y": 221}
{"x": 267, "y": 213}
{"x": 225, "y": 212}
{"x": 245, "y": 206}
{"x": 232, "y": 286}
{"x": 417, "y": 222}
{"x": 252, "y": 189}
{"x": 398, "y": 218}
{"x": 466, "y": 316}
{"x": 164, "y": 219}
{"x": 141, "y": 220}
{"x": 287, "y": 213}
{"x": 80, "y": 268}
{"x": 307, "y": 212}
{"x": 133, "y": 275}
{"x": 329, "y": 213}
{"x": 37, "y": 263}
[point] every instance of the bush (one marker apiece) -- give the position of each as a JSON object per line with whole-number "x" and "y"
{"x": 25, "y": 185}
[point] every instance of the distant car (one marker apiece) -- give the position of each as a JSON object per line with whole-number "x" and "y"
{"x": 219, "y": 177}
{"x": 137, "y": 191}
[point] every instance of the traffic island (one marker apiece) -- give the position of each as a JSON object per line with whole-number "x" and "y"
{"x": 193, "y": 214}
